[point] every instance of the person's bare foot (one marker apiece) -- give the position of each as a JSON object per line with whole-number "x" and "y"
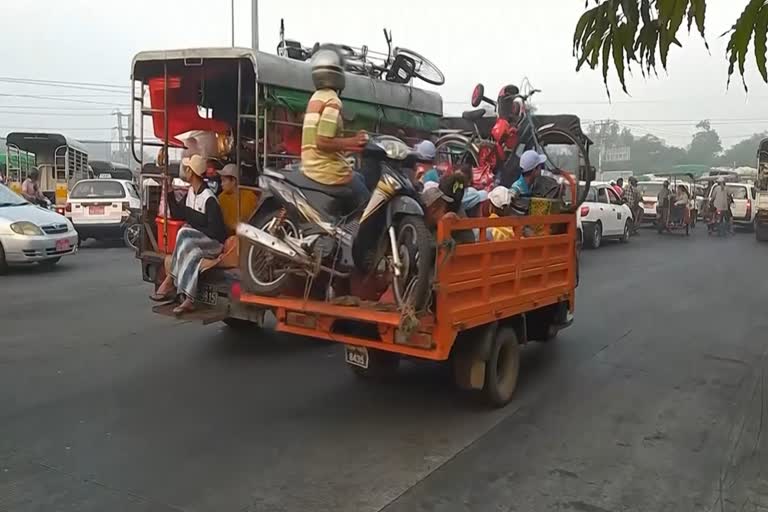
{"x": 185, "y": 307}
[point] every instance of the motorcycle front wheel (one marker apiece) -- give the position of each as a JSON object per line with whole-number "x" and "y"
{"x": 415, "y": 246}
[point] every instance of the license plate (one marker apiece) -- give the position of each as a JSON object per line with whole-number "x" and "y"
{"x": 357, "y": 356}
{"x": 95, "y": 210}
{"x": 207, "y": 295}
{"x": 62, "y": 245}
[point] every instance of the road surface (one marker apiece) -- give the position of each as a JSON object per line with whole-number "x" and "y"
{"x": 654, "y": 400}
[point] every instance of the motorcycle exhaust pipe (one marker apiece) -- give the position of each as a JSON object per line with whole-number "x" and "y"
{"x": 274, "y": 245}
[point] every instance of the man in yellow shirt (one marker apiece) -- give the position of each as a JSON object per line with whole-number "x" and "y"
{"x": 228, "y": 199}
{"x": 323, "y": 150}
{"x": 500, "y": 199}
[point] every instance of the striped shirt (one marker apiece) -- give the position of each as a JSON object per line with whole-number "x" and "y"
{"x": 323, "y": 119}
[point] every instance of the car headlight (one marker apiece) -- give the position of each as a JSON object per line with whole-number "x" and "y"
{"x": 26, "y": 228}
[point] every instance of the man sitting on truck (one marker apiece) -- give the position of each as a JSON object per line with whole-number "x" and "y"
{"x": 531, "y": 165}
{"x": 229, "y": 197}
{"x": 201, "y": 238}
{"x": 323, "y": 150}
{"x": 30, "y": 189}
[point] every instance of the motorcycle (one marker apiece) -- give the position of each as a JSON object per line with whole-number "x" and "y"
{"x": 305, "y": 229}
{"x": 718, "y": 224}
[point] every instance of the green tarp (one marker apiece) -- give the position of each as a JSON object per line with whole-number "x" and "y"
{"x": 357, "y": 114}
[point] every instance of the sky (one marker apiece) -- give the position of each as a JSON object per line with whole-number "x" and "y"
{"x": 490, "y": 41}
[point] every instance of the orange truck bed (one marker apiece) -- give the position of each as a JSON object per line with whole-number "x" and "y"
{"x": 476, "y": 284}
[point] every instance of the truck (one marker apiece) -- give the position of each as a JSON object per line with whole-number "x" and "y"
{"x": 487, "y": 298}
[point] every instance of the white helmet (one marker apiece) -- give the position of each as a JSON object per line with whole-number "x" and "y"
{"x": 328, "y": 68}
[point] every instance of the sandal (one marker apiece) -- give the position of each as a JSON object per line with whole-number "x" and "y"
{"x": 167, "y": 297}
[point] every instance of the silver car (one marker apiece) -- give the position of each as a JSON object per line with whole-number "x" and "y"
{"x": 31, "y": 234}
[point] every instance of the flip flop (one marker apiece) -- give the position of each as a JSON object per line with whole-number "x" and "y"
{"x": 156, "y": 297}
{"x": 183, "y": 308}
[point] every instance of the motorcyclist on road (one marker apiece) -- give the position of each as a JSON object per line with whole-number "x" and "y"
{"x": 323, "y": 150}
{"x": 30, "y": 189}
{"x": 721, "y": 200}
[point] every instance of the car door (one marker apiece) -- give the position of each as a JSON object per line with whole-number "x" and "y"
{"x": 606, "y": 211}
{"x": 740, "y": 200}
{"x": 619, "y": 210}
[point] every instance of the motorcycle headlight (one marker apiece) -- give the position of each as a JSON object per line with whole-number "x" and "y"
{"x": 393, "y": 147}
{"x": 26, "y": 228}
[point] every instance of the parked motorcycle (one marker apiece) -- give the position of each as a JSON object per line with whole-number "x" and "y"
{"x": 305, "y": 229}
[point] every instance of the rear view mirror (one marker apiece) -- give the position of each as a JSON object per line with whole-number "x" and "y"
{"x": 477, "y": 95}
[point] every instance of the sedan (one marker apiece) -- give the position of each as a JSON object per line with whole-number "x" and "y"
{"x": 604, "y": 215}
{"x": 31, "y": 234}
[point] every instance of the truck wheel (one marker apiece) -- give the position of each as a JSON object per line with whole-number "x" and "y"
{"x": 381, "y": 364}
{"x": 502, "y": 368}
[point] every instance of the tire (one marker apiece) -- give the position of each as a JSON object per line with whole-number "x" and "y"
{"x": 238, "y": 324}
{"x": 48, "y": 264}
{"x": 252, "y": 279}
{"x": 467, "y": 150}
{"x": 3, "y": 263}
{"x": 627, "y": 232}
{"x": 502, "y": 368}
{"x": 597, "y": 236}
{"x": 425, "y": 70}
{"x": 381, "y": 364}
{"x": 415, "y": 246}
{"x": 131, "y": 236}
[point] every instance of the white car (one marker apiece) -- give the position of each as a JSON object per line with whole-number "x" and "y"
{"x": 103, "y": 208}
{"x": 649, "y": 190}
{"x": 604, "y": 215}
{"x": 31, "y": 234}
{"x": 744, "y": 203}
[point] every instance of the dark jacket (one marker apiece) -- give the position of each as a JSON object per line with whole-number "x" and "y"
{"x": 201, "y": 211}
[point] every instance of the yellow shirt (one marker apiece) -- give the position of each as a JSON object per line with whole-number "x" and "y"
{"x": 323, "y": 119}
{"x": 228, "y": 203}
{"x": 502, "y": 233}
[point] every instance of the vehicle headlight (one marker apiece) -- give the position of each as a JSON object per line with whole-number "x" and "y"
{"x": 26, "y": 228}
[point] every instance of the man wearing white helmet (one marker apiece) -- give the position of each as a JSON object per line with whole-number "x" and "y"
{"x": 531, "y": 165}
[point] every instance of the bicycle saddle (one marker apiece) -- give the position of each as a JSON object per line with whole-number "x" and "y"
{"x": 473, "y": 115}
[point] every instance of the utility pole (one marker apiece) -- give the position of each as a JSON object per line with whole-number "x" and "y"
{"x": 255, "y": 24}
{"x": 122, "y": 146}
{"x": 232, "y": 12}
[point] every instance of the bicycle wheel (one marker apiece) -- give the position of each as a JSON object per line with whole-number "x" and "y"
{"x": 424, "y": 69}
{"x": 550, "y": 136}
{"x": 455, "y": 149}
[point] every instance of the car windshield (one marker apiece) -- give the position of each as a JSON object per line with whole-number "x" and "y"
{"x": 97, "y": 189}
{"x": 10, "y": 198}
{"x": 650, "y": 189}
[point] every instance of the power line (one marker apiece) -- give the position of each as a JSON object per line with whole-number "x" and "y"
{"x": 72, "y": 128}
{"x": 54, "y": 114}
{"x": 60, "y": 83}
{"x": 53, "y": 98}
{"x": 58, "y": 107}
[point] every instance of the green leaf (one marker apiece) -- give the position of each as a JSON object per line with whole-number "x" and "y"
{"x": 738, "y": 44}
{"x": 631, "y": 12}
{"x": 606, "y": 57}
{"x": 618, "y": 54}
{"x": 761, "y": 37}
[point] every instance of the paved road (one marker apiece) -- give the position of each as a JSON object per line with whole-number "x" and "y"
{"x": 653, "y": 401}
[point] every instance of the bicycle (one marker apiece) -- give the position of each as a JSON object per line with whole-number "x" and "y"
{"x": 398, "y": 65}
{"x": 497, "y": 144}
